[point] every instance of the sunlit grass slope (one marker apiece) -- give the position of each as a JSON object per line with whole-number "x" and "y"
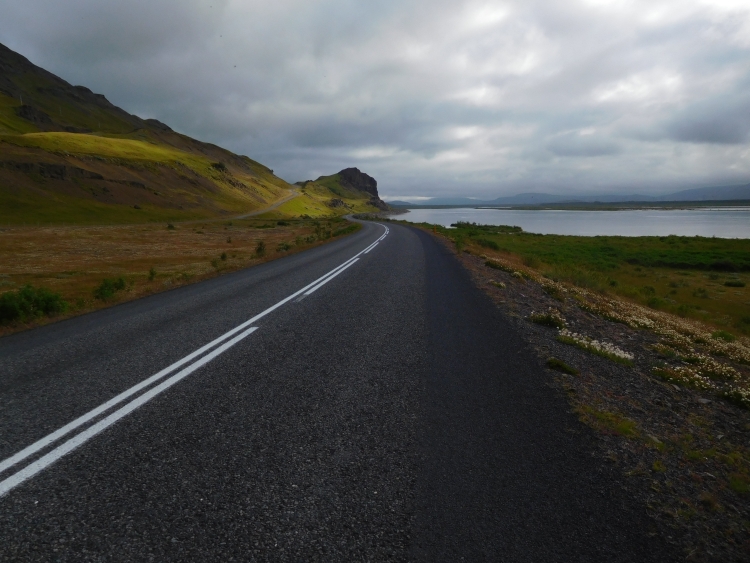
{"x": 325, "y": 197}
{"x": 67, "y": 155}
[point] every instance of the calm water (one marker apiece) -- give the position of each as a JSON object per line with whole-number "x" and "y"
{"x": 716, "y": 222}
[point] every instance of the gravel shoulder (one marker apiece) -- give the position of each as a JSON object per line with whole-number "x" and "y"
{"x": 682, "y": 450}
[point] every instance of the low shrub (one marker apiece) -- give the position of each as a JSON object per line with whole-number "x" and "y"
{"x": 740, "y": 397}
{"x": 260, "y": 249}
{"x": 109, "y": 287}
{"x": 29, "y": 302}
{"x": 282, "y": 247}
{"x": 553, "y": 292}
{"x": 734, "y": 283}
{"x": 551, "y": 318}
{"x": 151, "y": 274}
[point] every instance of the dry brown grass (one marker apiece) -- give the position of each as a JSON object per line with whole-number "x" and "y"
{"x": 74, "y": 260}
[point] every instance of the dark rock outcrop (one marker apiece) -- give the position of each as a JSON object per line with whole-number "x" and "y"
{"x": 354, "y": 179}
{"x": 379, "y": 203}
{"x": 336, "y": 202}
{"x": 36, "y": 116}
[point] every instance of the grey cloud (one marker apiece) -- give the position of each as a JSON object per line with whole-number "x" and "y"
{"x": 431, "y": 97}
{"x": 575, "y": 144}
{"x": 722, "y": 120}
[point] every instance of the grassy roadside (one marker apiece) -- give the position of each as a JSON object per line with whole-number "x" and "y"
{"x": 94, "y": 267}
{"x": 707, "y": 279}
{"x": 667, "y": 396}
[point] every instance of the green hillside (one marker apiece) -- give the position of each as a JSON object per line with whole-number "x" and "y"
{"x": 67, "y": 155}
{"x": 348, "y": 191}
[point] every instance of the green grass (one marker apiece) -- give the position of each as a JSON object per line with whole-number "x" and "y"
{"x": 559, "y": 365}
{"x": 108, "y": 147}
{"x": 685, "y": 276}
{"x": 58, "y": 209}
{"x": 9, "y": 121}
{"x": 609, "y": 422}
{"x": 550, "y": 318}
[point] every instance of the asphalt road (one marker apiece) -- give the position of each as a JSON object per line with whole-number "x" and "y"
{"x": 391, "y": 414}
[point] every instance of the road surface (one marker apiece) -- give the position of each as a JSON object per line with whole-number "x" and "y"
{"x": 353, "y": 402}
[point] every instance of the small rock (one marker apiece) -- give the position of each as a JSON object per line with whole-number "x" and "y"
{"x": 703, "y": 401}
{"x": 676, "y": 386}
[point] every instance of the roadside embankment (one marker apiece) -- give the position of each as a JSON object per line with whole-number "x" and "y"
{"x": 668, "y": 396}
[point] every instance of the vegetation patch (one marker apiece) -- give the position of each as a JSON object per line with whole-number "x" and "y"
{"x": 603, "y": 349}
{"x": 738, "y": 396}
{"x": 608, "y": 422}
{"x": 108, "y": 288}
{"x": 29, "y": 303}
{"x": 559, "y": 365}
{"x": 678, "y": 275}
{"x": 552, "y": 318}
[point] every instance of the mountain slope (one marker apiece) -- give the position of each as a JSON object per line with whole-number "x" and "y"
{"x": 69, "y": 155}
{"x": 349, "y": 190}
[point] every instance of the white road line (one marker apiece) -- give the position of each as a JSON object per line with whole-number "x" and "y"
{"x": 329, "y": 278}
{"x": 67, "y": 447}
{"x": 372, "y": 247}
{"x": 57, "y": 434}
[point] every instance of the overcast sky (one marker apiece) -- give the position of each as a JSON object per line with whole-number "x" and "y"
{"x": 432, "y": 98}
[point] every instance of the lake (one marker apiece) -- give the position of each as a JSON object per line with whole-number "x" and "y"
{"x": 726, "y": 222}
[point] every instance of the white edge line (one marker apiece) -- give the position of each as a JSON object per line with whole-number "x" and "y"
{"x": 67, "y": 447}
{"x": 60, "y": 432}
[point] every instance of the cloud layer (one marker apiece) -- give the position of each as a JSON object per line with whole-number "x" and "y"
{"x": 430, "y": 97}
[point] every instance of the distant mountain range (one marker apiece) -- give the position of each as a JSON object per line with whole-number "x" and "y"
{"x": 719, "y": 193}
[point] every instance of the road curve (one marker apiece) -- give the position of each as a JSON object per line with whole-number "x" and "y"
{"x": 282, "y": 201}
{"x": 357, "y": 401}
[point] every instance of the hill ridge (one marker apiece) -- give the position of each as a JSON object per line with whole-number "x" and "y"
{"x": 69, "y": 154}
